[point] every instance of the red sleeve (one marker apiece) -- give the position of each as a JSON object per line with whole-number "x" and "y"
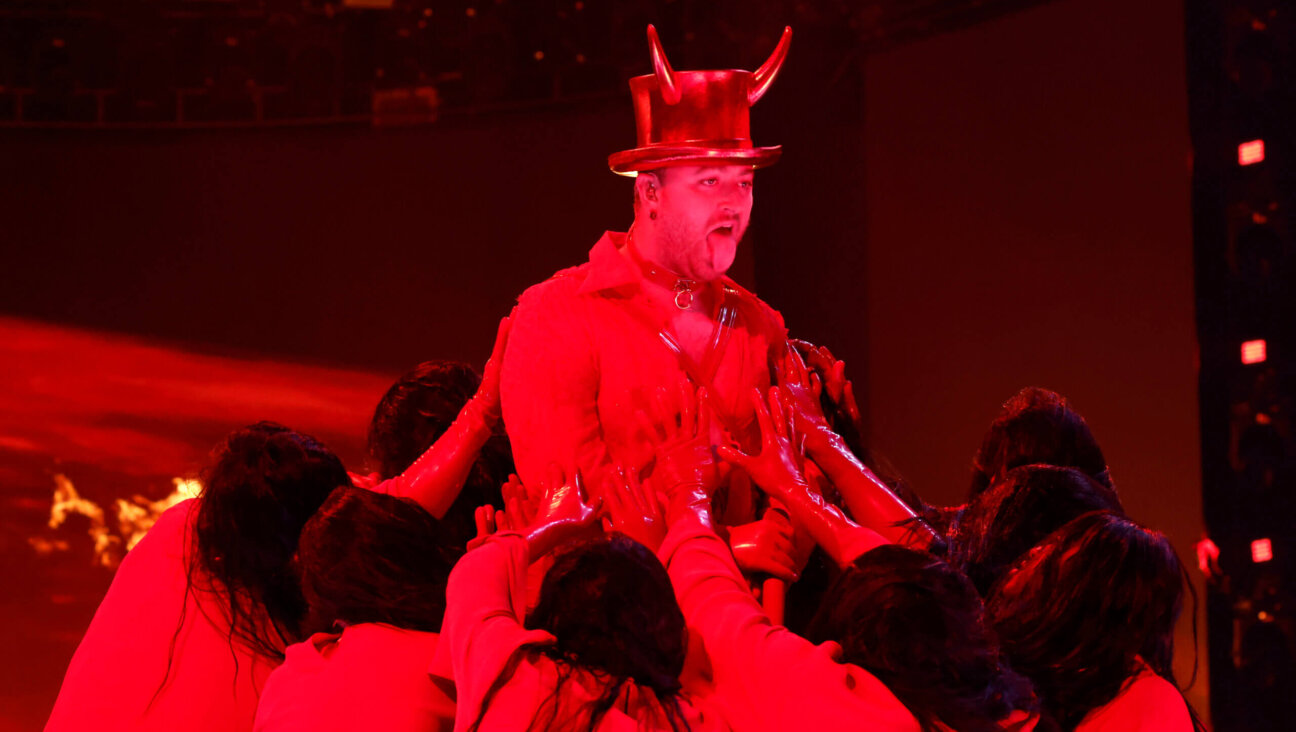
{"x": 763, "y": 672}
{"x": 485, "y": 607}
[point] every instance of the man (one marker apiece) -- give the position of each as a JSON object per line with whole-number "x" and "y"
{"x": 652, "y": 308}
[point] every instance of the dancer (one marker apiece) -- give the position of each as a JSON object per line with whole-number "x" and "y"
{"x": 1007, "y": 520}
{"x": 603, "y": 649}
{"x": 420, "y": 407}
{"x": 1089, "y": 616}
{"x": 200, "y": 611}
{"x": 373, "y": 571}
{"x": 903, "y": 644}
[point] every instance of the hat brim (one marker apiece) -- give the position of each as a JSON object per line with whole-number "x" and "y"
{"x": 630, "y": 162}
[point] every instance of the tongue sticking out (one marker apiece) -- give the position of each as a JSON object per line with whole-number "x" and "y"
{"x": 721, "y": 248}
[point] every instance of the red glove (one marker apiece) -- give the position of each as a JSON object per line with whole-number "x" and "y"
{"x": 633, "y": 509}
{"x": 765, "y": 546}
{"x": 564, "y": 512}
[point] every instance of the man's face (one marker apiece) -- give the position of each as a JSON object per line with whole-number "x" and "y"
{"x": 702, "y": 214}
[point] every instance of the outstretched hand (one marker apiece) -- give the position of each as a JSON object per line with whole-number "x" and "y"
{"x": 840, "y": 392}
{"x": 518, "y": 514}
{"x": 487, "y": 397}
{"x": 765, "y": 546}
{"x": 519, "y": 505}
{"x": 563, "y": 512}
{"x": 633, "y": 508}
{"x": 800, "y": 394}
{"x": 685, "y": 462}
{"x": 778, "y": 468}
{"x": 489, "y": 520}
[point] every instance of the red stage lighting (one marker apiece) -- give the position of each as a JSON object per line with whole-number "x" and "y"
{"x": 1261, "y": 550}
{"x": 1207, "y": 555}
{"x": 1253, "y": 352}
{"x": 1250, "y": 153}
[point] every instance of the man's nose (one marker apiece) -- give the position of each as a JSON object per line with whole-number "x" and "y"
{"x": 731, "y": 196}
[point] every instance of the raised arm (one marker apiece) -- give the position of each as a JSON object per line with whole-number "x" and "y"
{"x": 870, "y": 501}
{"x": 435, "y": 479}
{"x": 778, "y": 471}
{"x": 486, "y": 594}
{"x": 764, "y": 671}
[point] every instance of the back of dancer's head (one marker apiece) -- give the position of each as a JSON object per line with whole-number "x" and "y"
{"x": 1020, "y": 509}
{"x": 918, "y": 626}
{"x": 610, "y": 604}
{"x": 367, "y": 557}
{"x": 415, "y": 411}
{"x": 418, "y": 409}
{"x": 1079, "y": 610}
{"x": 611, "y": 608}
{"x": 264, "y": 484}
{"x": 1037, "y": 426}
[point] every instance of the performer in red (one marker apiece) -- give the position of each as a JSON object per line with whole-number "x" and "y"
{"x": 652, "y": 307}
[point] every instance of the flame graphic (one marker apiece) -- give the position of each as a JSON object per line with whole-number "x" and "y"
{"x": 66, "y": 502}
{"x": 134, "y": 518}
{"x": 46, "y": 546}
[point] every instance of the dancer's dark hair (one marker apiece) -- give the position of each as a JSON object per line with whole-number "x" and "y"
{"x": 265, "y": 482}
{"x": 610, "y": 604}
{"x": 1027, "y": 504}
{"x": 367, "y": 557}
{"x": 1081, "y": 609}
{"x": 918, "y": 626}
{"x": 418, "y": 409}
{"x": 1037, "y": 426}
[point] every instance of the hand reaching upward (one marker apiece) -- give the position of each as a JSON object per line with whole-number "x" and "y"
{"x": 563, "y": 512}
{"x": 633, "y": 508}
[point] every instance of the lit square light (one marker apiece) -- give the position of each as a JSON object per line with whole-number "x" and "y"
{"x": 1250, "y": 153}
{"x": 1253, "y": 352}
{"x": 1261, "y": 550}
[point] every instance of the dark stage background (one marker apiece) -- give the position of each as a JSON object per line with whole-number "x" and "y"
{"x": 957, "y": 217}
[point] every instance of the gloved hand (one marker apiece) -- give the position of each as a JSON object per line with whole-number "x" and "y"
{"x": 633, "y": 508}
{"x": 564, "y": 512}
{"x": 765, "y": 546}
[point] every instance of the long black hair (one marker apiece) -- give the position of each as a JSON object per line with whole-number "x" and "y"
{"x": 1037, "y": 426}
{"x": 417, "y": 409}
{"x": 1080, "y": 611}
{"x": 264, "y": 484}
{"x": 1018, "y": 510}
{"x": 609, "y": 603}
{"x": 918, "y": 625}
{"x": 367, "y": 557}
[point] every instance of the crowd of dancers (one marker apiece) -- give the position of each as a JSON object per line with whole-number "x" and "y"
{"x": 699, "y": 539}
{"x": 439, "y": 592}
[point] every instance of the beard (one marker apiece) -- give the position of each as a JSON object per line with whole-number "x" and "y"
{"x": 700, "y": 253}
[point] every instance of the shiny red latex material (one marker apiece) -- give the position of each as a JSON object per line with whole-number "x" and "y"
{"x": 697, "y": 117}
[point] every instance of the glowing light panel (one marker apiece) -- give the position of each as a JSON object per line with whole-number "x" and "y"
{"x": 1261, "y": 550}
{"x": 1253, "y": 352}
{"x": 1207, "y": 553}
{"x": 1250, "y": 153}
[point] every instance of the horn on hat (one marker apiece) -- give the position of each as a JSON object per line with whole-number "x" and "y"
{"x": 670, "y": 90}
{"x": 764, "y": 76}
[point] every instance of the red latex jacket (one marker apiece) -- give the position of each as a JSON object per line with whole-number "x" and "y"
{"x": 585, "y": 353}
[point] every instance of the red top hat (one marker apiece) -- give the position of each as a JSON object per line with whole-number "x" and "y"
{"x": 697, "y": 117}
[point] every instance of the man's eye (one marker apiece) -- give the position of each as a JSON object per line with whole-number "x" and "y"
{"x": 745, "y": 184}
{"x": 710, "y": 181}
